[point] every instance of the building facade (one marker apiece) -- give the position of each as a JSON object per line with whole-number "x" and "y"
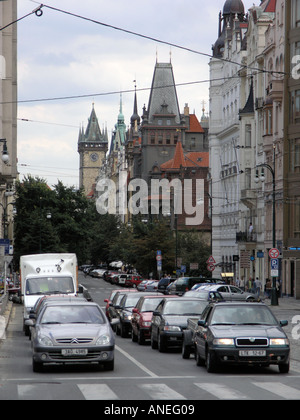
{"x": 92, "y": 148}
{"x": 8, "y": 118}
{"x": 291, "y": 226}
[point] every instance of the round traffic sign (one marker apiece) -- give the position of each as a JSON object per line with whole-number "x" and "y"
{"x": 210, "y": 267}
{"x": 274, "y": 253}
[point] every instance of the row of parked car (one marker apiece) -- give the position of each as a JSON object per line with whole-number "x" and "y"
{"x": 202, "y": 322}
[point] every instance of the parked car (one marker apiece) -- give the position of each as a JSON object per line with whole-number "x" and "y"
{"x": 112, "y": 309}
{"x": 232, "y": 293}
{"x": 97, "y": 272}
{"x": 208, "y": 295}
{"x": 241, "y": 333}
{"x": 148, "y": 285}
{"x": 71, "y": 332}
{"x": 183, "y": 284}
{"x": 109, "y": 300}
{"x": 170, "y": 319}
{"x": 164, "y": 283}
{"x": 124, "y": 312}
{"x": 142, "y": 316}
{"x": 129, "y": 280}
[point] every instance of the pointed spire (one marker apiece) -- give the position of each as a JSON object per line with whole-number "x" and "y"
{"x": 179, "y": 160}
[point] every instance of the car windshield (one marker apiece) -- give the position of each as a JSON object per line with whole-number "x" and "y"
{"x": 182, "y": 280}
{"x": 150, "y": 305}
{"x": 65, "y": 314}
{"x": 46, "y": 285}
{"x": 131, "y": 300}
{"x": 182, "y": 307}
{"x": 242, "y": 315}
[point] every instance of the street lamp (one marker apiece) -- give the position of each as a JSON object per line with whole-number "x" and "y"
{"x": 5, "y": 155}
{"x": 274, "y": 298}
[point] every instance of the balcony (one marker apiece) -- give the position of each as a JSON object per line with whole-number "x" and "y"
{"x": 248, "y": 197}
{"x": 276, "y": 90}
{"x": 246, "y": 237}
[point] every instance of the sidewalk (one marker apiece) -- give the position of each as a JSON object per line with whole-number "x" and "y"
{"x": 289, "y": 303}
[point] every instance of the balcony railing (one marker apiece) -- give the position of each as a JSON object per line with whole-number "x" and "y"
{"x": 246, "y": 237}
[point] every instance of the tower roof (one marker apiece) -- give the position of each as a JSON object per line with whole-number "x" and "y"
{"x": 93, "y": 132}
{"x": 233, "y": 7}
{"x": 163, "y": 97}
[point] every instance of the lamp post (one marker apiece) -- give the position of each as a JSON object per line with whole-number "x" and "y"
{"x": 5, "y": 155}
{"x": 274, "y": 297}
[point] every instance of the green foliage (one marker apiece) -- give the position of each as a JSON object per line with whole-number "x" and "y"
{"x": 76, "y": 226}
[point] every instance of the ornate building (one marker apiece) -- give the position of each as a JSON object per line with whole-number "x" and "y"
{"x": 92, "y": 148}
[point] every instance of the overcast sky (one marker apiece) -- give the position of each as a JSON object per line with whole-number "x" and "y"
{"x": 62, "y": 56}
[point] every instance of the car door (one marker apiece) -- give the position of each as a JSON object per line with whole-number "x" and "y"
{"x": 236, "y": 293}
{"x": 156, "y": 320}
{"x": 225, "y": 292}
{"x": 201, "y": 332}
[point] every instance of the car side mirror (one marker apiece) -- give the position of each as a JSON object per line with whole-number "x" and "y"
{"x": 134, "y": 310}
{"x": 156, "y": 313}
{"x": 201, "y": 323}
{"x": 283, "y": 323}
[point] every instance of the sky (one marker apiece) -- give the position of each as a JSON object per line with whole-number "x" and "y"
{"x": 67, "y": 63}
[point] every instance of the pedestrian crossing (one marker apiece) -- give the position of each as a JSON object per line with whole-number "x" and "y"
{"x": 152, "y": 391}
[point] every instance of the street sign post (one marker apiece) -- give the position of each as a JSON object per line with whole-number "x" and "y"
{"x": 274, "y": 267}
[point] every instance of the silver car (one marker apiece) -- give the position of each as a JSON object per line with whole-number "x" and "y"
{"x": 231, "y": 293}
{"x": 71, "y": 332}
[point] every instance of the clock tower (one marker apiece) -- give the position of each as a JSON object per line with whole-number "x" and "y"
{"x": 92, "y": 148}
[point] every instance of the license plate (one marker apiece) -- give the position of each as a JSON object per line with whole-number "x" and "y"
{"x": 252, "y": 353}
{"x": 74, "y": 352}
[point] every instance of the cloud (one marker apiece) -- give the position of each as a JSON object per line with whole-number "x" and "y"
{"x": 61, "y": 56}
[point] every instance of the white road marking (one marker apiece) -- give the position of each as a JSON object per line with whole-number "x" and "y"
{"x": 133, "y": 360}
{"x": 161, "y": 392}
{"x": 97, "y": 392}
{"x": 222, "y": 392}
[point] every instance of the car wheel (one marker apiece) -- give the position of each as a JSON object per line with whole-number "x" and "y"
{"x": 210, "y": 362}
{"x": 199, "y": 361}
{"x": 37, "y": 366}
{"x": 140, "y": 338}
{"x": 153, "y": 342}
{"x": 162, "y": 345}
{"x": 284, "y": 367}
{"x": 186, "y": 351}
{"x": 109, "y": 365}
{"x": 124, "y": 332}
{"x": 134, "y": 337}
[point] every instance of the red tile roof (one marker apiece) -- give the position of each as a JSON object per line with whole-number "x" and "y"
{"x": 188, "y": 160}
{"x": 195, "y": 126}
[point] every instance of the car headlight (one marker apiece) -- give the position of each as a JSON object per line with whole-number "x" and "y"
{"x": 223, "y": 342}
{"x": 279, "y": 342}
{"x": 45, "y": 341}
{"x": 103, "y": 340}
{"x": 127, "y": 317}
{"x": 146, "y": 324}
{"x": 172, "y": 328}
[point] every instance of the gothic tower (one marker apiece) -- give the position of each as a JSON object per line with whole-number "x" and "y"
{"x": 92, "y": 148}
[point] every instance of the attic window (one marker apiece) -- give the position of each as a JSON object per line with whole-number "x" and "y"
{"x": 199, "y": 159}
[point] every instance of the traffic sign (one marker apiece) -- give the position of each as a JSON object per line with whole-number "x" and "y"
{"x": 274, "y": 267}
{"x": 211, "y": 260}
{"x": 210, "y": 267}
{"x": 274, "y": 253}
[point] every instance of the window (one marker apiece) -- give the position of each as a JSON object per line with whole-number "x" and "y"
{"x": 295, "y": 155}
{"x": 296, "y": 13}
{"x": 247, "y": 178}
{"x": 268, "y": 122}
{"x": 248, "y": 135}
{"x": 295, "y": 107}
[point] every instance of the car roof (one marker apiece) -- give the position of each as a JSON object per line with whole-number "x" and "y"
{"x": 66, "y": 302}
{"x": 238, "y": 303}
